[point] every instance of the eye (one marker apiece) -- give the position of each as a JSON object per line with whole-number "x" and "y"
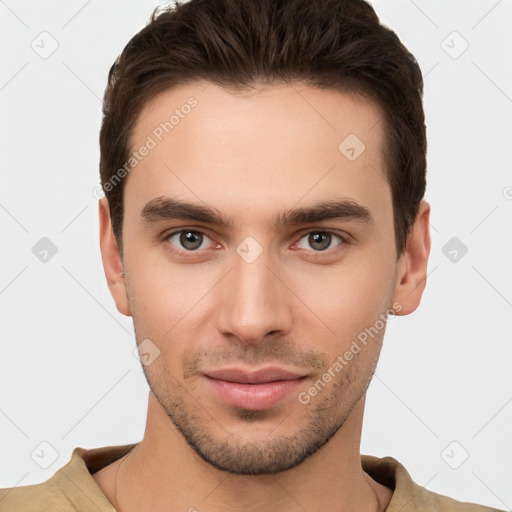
{"x": 187, "y": 240}
{"x": 320, "y": 240}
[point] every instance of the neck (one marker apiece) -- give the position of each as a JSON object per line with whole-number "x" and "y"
{"x": 164, "y": 473}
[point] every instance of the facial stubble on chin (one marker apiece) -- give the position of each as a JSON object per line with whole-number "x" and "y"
{"x": 324, "y": 416}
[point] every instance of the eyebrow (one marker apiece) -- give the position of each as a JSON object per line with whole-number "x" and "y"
{"x": 168, "y": 208}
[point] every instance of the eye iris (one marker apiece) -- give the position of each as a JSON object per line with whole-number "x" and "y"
{"x": 323, "y": 238}
{"x": 190, "y": 237}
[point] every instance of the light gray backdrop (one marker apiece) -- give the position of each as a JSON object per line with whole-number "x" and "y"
{"x": 441, "y": 399}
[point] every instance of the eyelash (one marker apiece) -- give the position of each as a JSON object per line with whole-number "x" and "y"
{"x": 315, "y": 254}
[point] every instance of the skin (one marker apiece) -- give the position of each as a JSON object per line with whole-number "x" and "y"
{"x": 252, "y": 157}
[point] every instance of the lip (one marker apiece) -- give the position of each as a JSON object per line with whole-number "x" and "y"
{"x": 255, "y": 390}
{"x": 263, "y": 375}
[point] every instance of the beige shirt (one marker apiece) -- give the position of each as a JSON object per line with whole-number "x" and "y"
{"x": 72, "y": 488}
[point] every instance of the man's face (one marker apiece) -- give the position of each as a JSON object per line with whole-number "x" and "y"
{"x": 258, "y": 293}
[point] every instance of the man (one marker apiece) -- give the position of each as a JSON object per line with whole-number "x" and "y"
{"x": 264, "y": 171}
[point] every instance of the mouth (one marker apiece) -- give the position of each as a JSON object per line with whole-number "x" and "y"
{"x": 254, "y": 390}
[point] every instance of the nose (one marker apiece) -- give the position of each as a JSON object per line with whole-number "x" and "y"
{"x": 254, "y": 301}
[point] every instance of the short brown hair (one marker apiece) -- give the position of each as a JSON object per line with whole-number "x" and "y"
{"x": 237, "y": 44}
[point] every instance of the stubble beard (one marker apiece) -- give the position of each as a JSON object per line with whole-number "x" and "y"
{"x": 325, "y": 414}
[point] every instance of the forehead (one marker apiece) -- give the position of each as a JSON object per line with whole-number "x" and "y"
{"x": 290, "y": 110}
{"x": 280, "y": 144}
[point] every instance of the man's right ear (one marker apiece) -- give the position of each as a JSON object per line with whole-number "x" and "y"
{"x": 112, "y": 262}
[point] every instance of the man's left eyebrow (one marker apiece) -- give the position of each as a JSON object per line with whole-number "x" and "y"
{"x": 168, "y": 208}
{"x": 344, "y": 209}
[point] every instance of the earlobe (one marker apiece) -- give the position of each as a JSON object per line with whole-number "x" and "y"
{"x": 112, "y": 262}
{"x": 412, "y": 266}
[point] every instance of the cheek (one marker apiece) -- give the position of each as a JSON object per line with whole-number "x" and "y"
{"x": 349, "y": 297}
{"x": 166, "y": 291}
{"x": 170, "y": 305}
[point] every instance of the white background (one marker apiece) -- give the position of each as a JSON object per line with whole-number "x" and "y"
{"x": 68, "y": 375}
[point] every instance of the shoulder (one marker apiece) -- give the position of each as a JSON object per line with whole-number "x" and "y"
{"x": 34, "y": 498}
{"x": 71, "y": 489}
{"x": 447, "y": 504}
{"x": 408, "y": 496}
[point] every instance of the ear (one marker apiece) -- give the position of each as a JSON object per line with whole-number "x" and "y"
{"x": 412, "y": 265}
{"x": 112, "y": 262}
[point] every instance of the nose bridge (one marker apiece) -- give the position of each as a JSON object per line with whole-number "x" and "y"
{"x": 252, "y": 303}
